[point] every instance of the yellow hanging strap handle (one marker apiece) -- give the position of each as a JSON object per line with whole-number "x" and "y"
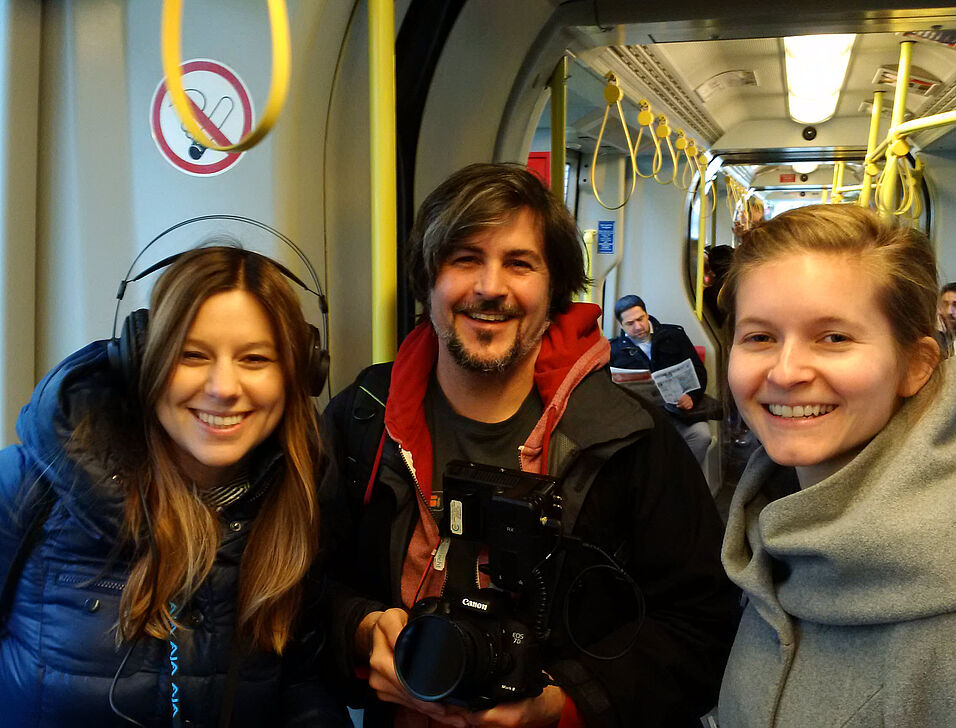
{"x": 613, "y": 96}
{"x": 916, "y": 204}
{"x": 888, "y": 168}
{"x": 907, "y": 184}
{"x": 907, "y": 187}
{"x": 735, "y": 194}
{"x": 690, "y": 163}
{"x": 894, "y": 175}
{"x": 645, "y": 118}
{"x": 680, "y": 144}
{"x": 663, "y": 131}
{"x": 186, "y": 109}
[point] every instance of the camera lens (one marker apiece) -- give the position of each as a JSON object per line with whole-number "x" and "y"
{"x": 436, "y": 656}
{"x": 430, "y": 657}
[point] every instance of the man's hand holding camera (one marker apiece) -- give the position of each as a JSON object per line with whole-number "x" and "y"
{"x": 543, "y": 710}
{"x": 376, "y": 637}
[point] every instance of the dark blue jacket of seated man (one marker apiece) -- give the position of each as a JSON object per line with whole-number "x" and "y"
{"x": 669, "y": 344}
{"x": 646, "y": 343}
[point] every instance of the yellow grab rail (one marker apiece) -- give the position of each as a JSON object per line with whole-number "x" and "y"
{"x": 689, "y": 149}
{"x": 613, "y": 96}
{"x": 645, "y": 117}
{"x": 870, "y": 169}
{"x": 886, "y": 185}
{"x": 663, "y": 131}
{"x": 383, "y": 175}
{"x": 701, "y": 162}
{"x": 836, "y": 196}
{"x": 735, "y": 194}
{"x": 186, "y": 108}
{"x": 701, "y": 244}
{"x": 916, "y": 178}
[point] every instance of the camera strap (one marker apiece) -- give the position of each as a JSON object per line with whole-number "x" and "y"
{"x": 366, "y": 425}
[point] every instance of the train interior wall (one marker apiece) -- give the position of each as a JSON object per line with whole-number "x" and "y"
{"x": 83, "y": 187}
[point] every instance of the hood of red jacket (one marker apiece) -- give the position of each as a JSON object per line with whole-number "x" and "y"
{"x": 569, "y": 337}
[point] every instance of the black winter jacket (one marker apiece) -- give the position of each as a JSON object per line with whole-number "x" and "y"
{"x": 669, "y": 346}
{"x": 59, "y": 660}
{"x": 631, "y": 487}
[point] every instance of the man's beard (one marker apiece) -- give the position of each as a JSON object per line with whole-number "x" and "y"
{"x": 524, "y": 342}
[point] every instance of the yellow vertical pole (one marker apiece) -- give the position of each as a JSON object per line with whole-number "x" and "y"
{"x": 833, "y": 183}
{"x": 382, "y": 149}
{"x": 559, "y": 112}
{"x": 902, "y": 81}
{"x": 701, "y": 242}
{"x": 870, "y": 170}
{"x": 837, "y": 192}
{"x": 888, "y": 188}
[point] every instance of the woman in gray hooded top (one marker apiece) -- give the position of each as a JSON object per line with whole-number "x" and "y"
{"x": 842, "y": 530}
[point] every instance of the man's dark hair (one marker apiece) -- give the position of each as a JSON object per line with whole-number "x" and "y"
{"x": 481, "y": 196}
{"x": 948, "y": 288}
{"x": 627, "y": 302}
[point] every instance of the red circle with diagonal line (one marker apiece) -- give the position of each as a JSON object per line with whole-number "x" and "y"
{"x": 222, "y": 106}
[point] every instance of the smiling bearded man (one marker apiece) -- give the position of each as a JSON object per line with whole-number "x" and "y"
{"x": 505, "y": 371}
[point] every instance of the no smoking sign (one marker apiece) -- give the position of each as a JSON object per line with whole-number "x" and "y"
{"x": 222, "y": 106}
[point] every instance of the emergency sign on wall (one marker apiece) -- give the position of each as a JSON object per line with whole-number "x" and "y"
{"x": 605, "y": 239}
{"x": 222, "y": 106}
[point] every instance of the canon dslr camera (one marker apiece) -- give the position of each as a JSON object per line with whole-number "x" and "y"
{"x": 483, "y": 648}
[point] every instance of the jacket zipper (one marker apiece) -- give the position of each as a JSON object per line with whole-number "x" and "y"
{"x": 110, "y": 584}
{"x": 421, "y": 495}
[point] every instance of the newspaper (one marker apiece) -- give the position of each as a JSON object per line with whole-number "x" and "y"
{"x": 676, "y": 381}
{"x": 629, "y": 375}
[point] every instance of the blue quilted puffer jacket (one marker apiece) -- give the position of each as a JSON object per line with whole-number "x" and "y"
{"x": 60, "y": 664}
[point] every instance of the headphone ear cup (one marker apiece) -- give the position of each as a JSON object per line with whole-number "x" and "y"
{"x": 126, "y": 353}
{"x": 318, "y": 363}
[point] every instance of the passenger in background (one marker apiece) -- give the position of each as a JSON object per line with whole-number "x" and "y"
{"x": 946, "y": 328}
{"x": 646, "y": 343}
{"x": 841, "y": 530}
{"x": 160, "y": 518}
{"x": 750, "y": 213}
{"x": 505, "y": 369}
{"x": 718, "y": 263}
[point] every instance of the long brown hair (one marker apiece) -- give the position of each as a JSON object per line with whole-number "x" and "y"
{"x": 177, "y": 537}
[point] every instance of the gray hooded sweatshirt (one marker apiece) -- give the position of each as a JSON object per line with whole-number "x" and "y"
{"x": 851, "y": 584}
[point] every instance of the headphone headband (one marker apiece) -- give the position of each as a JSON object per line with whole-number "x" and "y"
{"x": 125, "y": 350}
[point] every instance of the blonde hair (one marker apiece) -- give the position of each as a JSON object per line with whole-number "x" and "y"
{"x": 901, "y": 258}
{"x": 174, "y": 533}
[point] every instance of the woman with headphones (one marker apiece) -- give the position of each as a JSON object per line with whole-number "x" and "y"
{"x": 159, "y": 533}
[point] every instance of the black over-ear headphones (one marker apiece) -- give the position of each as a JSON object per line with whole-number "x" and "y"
{"x": 126, "y": 351}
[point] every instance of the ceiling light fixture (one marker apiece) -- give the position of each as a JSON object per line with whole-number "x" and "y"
{"x": 804, "y": 167}
{"x": 816, "y": 67}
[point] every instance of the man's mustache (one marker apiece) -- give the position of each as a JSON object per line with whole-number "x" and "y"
{"x": 492, "y": 307}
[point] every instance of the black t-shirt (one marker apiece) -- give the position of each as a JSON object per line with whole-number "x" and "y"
{"x": 456, "y": 437}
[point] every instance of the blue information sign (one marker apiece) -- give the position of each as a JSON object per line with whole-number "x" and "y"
{"x": 605, "y": 237}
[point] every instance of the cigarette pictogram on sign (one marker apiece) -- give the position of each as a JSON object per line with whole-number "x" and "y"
{"x": 221, "y": 104}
